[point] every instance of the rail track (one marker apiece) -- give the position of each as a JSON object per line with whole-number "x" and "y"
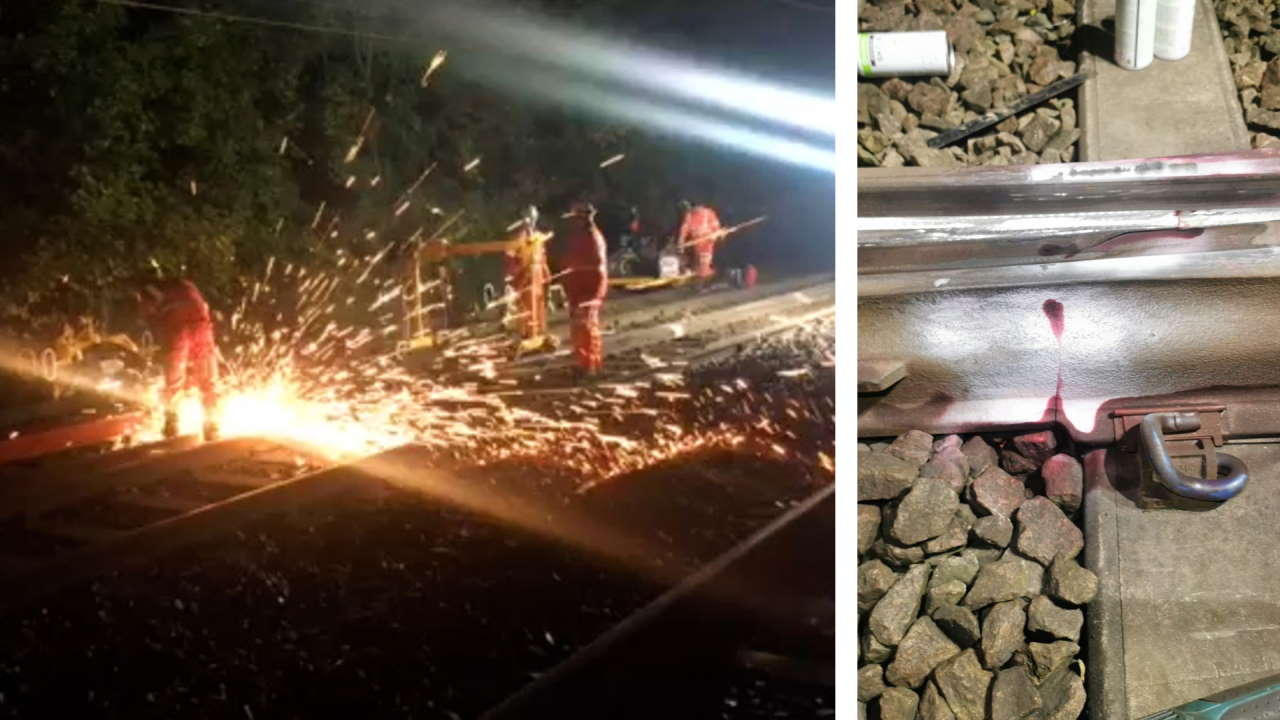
{"x": 516, "y": 574}
{"x": 473, "y": 606}
{"x": 671, "y": 340}
{"x": 65, "y": 519}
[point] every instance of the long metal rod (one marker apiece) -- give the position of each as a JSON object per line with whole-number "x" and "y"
{"x": 1050, "y": 91}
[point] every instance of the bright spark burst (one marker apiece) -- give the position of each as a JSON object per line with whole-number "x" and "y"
{"x": 436, "y": 61}
{"x": 339, "y": 390}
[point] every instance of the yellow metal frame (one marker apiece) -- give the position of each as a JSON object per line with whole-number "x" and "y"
{"x": 420, "y": 335}
{"x": 639, "y": 284}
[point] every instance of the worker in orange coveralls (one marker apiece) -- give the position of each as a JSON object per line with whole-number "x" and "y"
{"x": 698, "y": 228}
{"x": 526, "y": 265}
{"x": 180, "y": 321}
{"x": 585, "y": 283}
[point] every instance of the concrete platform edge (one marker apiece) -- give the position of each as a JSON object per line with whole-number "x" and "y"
{"x": 1105, "y": 674}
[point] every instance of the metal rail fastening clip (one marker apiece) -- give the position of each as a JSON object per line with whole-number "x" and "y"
{"x": 1166, "y": 434}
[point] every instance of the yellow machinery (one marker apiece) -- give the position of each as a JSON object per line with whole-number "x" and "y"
{"x": 421, "y": 332}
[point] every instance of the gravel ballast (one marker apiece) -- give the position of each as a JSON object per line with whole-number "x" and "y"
{"x": 1004, "y": 608}
{"x": 1004, "y": 52}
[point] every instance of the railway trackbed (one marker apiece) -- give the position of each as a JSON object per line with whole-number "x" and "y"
{"x": 438, "y": 596}
{"x": 670, "y": 343}
{"x": 66, "y": 521}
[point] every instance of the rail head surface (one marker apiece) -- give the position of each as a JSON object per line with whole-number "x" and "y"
{"x": 912, "y": 221}
{"x": 1233, "y": 179}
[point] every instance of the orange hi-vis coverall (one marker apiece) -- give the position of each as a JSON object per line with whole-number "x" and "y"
{"x": 585, "y": 284}
{"x": 181, "y": 323}
{"x": 698, "y": 228}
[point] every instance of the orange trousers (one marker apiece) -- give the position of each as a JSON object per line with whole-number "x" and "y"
{"x": 584, "y": 331}
{"x": 586, "y": 291}
{"x": 191, "y": 362}
{"x": 705, "y": 257}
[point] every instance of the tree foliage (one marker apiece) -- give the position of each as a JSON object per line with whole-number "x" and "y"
{"x": 134, "y": 139}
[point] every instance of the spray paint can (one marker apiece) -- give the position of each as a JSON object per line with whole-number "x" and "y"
{"x": 1174, "y": 21}
{"x": 905, "y": 53}
{"x": 1135, "y": 33}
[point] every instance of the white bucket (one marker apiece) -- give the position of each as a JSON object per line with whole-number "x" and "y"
{"x": 905, "y": 53}
{"x": 668, "y": 266}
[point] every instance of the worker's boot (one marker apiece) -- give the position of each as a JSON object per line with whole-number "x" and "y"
{"x": 170, "y": 425}
{"x": 211, "y": 433}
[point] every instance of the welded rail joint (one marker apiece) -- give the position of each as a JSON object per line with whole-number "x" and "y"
{"x": 1232, "y": 475}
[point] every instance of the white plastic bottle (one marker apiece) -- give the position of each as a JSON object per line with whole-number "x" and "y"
{"x": 1174, "y": 21}
{"x": 905, "y": 53}
{"x": 1135, "y": 33}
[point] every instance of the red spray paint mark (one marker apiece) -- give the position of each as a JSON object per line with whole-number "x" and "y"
{"x": 1053, "y": 311}
{"x": 1057, "y": 323}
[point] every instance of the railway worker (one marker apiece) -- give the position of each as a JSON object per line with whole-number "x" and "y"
{"x": 180, "y": 321}
{"x": 585, "y": 282}
{"x": 698, "y": 228}
{"x": 526, "y": 265}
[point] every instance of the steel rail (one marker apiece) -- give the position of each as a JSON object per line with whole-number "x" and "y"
{"x": 1263, "y": 262}
{"x": 817, "y": 309}
{"x": 29, "y": 581}
{"x": 916, "y": 219}
{"x": 62, "y": 485}
{"x": 662, "y": 639}
{"x": 79, "y": 432}
{"x": 630, "y": 315}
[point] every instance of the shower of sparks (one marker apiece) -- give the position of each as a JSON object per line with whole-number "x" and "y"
{"x": 340, "y": 389}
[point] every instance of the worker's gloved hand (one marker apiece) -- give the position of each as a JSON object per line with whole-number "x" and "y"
{"x": 170, "y": 425}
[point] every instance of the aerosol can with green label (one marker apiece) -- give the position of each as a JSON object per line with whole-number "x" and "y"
{"x": 905, "y": 53}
